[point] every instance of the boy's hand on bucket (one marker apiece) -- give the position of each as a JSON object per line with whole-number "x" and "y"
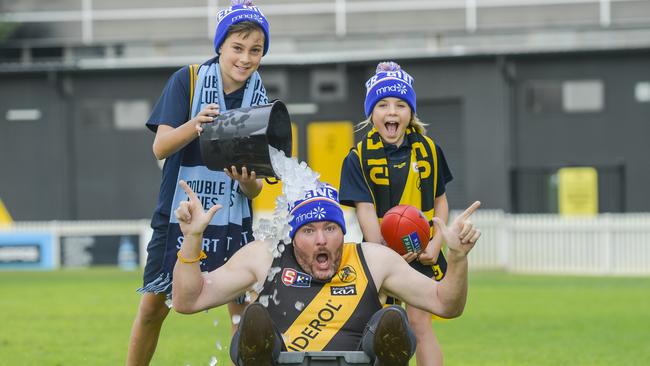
{"x": 206, "y": 115}
{"x": 243, "y": 178}
{"x": 250, "y": 185}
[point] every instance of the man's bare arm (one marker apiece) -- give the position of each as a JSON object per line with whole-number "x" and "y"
{"x": 192, "y": 291}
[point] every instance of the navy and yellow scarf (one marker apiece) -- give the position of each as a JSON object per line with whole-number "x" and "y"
{"x": 421, "y": 182}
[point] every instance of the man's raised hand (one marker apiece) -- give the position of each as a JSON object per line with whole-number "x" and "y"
{"x": 461, "y": 235}
{"x": 192, "y": 218}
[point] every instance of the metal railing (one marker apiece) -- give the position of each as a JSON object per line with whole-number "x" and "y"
{"x": 87, "y": 15}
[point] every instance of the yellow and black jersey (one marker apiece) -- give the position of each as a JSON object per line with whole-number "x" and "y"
{"x": 321, "y": 316}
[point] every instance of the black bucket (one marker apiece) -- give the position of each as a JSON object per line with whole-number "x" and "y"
{"x": 241, "y": 137}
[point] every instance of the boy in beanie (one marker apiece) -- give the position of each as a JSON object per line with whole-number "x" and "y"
{"x": 194, "y": 95}
{"x": 320, "y": 294}
{"x": 395, "y": 163}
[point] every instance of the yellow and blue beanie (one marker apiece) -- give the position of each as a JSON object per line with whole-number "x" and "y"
{"x": 240, "y": 11}
{"x": 389, "y": 81}
{"x": 320, "y": 204}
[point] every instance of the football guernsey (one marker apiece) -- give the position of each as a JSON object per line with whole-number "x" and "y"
{"x": 321, "y": 316}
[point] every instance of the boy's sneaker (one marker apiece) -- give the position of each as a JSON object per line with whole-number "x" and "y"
{"x": 391, "y": 342}
{"x": 257, "y": 340}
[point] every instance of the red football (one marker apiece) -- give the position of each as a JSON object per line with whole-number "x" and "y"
{"x": 405, "y": 229}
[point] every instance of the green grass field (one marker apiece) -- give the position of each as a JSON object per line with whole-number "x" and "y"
{"x": 83, "y": 317}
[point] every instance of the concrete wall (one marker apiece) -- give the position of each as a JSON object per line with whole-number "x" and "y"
{"x": 74, "y": 163}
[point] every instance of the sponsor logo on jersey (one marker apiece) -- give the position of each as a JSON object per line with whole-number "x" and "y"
{"x": 347, "y": 274}
{"x": 314, "y": 327}
{"x": 293, "y": 278}
{"x": 348, "y": 290}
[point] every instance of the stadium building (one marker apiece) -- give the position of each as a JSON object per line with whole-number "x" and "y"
{"x": 512, "y": 90}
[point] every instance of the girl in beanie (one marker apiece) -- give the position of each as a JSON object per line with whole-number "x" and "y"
{"x": 194, "y": 95}
{"x": 396, "y": 163}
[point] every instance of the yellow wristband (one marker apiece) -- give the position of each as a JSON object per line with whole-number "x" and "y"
{"x": 183, "y": 260}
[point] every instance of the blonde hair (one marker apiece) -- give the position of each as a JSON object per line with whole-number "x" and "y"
{"x": 415, "y": 122}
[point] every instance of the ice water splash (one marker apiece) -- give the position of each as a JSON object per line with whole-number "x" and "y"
{"x": 274, "y": 270}
{"x": 275, "y": 299}
{"x": 236, "y": 319}
{"x": 258, "y": 287}
{"x": 299, "y": 305}
{"x": 213, "y": 361}
{"x": 264, "y": 300}
{"x": 297, "y": 178}
{"x": 219, "y": 346}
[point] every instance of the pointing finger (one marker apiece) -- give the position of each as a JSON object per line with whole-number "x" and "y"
{"x": 470, "y": 210}
{"x": 188, "y": 190}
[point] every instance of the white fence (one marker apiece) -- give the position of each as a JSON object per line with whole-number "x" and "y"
{"x": 608, "y": 244}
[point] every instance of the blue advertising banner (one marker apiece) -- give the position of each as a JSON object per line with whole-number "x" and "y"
{"x": 26, "y": 250}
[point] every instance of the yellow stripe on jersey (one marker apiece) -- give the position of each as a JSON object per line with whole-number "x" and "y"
{"x": 326, "y": 314}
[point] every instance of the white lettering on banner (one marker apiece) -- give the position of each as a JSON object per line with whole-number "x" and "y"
{"x": 19, "y": 254}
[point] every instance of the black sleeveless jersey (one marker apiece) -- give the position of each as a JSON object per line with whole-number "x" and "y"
{"x": 321, "y": 316}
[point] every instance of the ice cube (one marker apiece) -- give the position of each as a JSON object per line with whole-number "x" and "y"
{"x": 264, "y": 300}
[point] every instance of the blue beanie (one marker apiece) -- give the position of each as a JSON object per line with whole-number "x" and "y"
{"x": 320, "y": 204}
{"x": 389, "y": 81}
{"x": 240, "y": 11}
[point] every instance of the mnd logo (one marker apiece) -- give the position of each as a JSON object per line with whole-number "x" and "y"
{"x": 397, "y": 87}
{"x": 317, "y": 213}
{"x": 255, "y": 17}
